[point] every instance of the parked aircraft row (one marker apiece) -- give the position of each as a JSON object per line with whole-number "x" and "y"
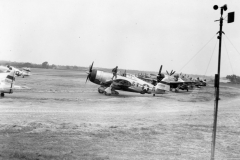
{"x": 7, "y": 78}
{"x": 154, "y": 84}
{"x": 23, "y": 72}
{"x": 131, "y": 83}
{"x": 177, "y": 81}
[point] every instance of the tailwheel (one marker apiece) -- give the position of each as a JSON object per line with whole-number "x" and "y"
{"x": 2, "y": 94}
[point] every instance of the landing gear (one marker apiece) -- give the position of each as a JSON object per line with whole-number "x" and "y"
{"x": 115, "y": 92}
{"x": 106, "y": 93}
{"x": 100, "y": 91}
{"x": 153, "y": 95}
{"x": 2, "y": 94}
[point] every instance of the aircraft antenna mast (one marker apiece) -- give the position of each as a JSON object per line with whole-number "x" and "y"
{"x": 217, "y": 76}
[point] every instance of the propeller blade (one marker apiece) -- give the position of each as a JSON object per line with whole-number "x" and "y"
{"x": 90, "y": 69}
{"x": 167, "y": 72}
{"x": 173, "y": 72}
{"x": 160, "y": 70}
{"x": 87, "y": 79}
{"x": 89, "y": 72}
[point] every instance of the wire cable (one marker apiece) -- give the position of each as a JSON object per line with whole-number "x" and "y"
{"x": 228, "y": 55}
{"x": 197, "y": 53}
{"x": 232, "y": 45}
{"x": 210, "y": 59}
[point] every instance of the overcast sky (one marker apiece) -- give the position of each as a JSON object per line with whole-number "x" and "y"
{"x": 133, "y": 34}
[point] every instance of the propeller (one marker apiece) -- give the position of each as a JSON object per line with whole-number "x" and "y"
{"x": 171, "y": 73}
{"x": 160, "y": 70}
{"x": 160, "y": 76}
{"x": 167, "y": 72}
{"x": 89, "y": 72}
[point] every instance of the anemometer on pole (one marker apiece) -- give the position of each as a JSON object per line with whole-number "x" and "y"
{"x": 217, "y": 76}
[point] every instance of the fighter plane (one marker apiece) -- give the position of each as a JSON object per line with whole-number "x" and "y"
{"x": 188, "y": 81}
{"x": 7, "y": 82}
{"x": 200, "y": 82}
{"x": 170, "y": 79}
{"x": 126, "y": 82}
{"x": 24, "y": 72}
{"x": 17, "y": 71}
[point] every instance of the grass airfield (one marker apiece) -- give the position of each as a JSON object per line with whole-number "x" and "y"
{"x": 59, "y": 117}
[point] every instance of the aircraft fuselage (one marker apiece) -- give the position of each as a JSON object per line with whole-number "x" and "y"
{"x": 128, "y": 83}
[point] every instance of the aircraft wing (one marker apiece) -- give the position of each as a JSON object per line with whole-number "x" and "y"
{"x": 171, "y": 80}
{"x": 3, "y": 69}
{"x": 147, "y": 79}
{"x": 121, "y": 83}
{"x": 107, "y": 83}
{"x": 117, "y": 84}
{"x": 176, "y": 82}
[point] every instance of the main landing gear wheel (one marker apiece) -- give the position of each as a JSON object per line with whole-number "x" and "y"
{"x": 100, "y": 91}
{"x": 2, "y": 94}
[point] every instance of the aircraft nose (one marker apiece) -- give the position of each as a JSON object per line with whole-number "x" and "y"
{"x": 92, "y": 76}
